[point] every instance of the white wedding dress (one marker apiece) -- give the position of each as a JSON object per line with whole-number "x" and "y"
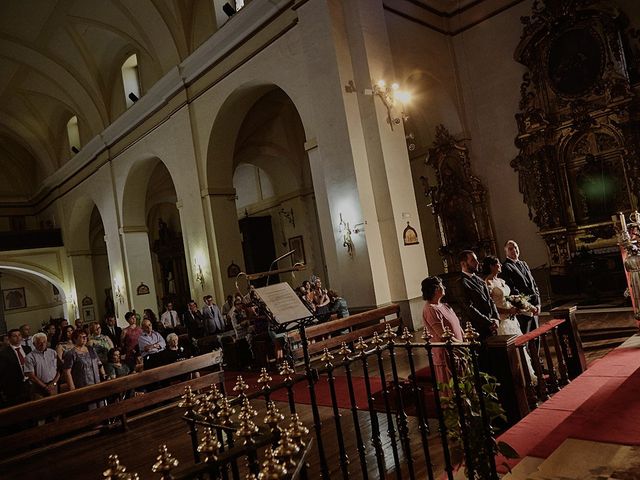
{"x": 509, "y": 325}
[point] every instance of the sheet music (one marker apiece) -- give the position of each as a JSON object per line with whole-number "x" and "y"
{"x": 283, "y": 302}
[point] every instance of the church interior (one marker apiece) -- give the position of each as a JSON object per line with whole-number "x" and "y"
{"x": 157, "y": 152}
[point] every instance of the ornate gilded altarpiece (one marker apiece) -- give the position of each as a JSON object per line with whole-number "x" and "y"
{"x": 579, "y": 136}
{"x": 458, "y": 201}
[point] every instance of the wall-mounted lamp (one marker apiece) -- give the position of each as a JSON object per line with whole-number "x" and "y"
{"x": 118, "y": 293}
{"x": 74, "y": 302}
{"x": 346, "y": 230}
{"x": 288, "y": 214}
{"x": 391, "y": 96}
{"x": 198, "y": 275}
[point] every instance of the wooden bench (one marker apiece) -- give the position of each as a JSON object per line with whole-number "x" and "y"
{"x": 20, "y": 419}
{"x": 330, "y": 334}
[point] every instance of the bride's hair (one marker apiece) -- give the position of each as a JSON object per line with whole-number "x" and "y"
{"x": 488, "y": 262}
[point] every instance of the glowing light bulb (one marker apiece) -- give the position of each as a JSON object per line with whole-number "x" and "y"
{"x": 402, "y": 96}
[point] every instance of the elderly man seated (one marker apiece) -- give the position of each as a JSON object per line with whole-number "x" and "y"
{"x": 41, "y": 368}
{"x": 150, "y": 342}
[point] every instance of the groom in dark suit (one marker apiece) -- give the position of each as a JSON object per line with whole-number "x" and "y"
{"x": 517, "y": 275}
{"x": 477, "y": 305}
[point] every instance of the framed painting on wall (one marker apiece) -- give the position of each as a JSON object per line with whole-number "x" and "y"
{"x": 14, "y": 298}
{"x": 88, "y": 313}
{"x": 297, "y": 244}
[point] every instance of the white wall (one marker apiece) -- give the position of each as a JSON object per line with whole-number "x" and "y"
{"x": 41, "y": 305}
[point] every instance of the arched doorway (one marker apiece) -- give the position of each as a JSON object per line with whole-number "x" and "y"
{"x": 274, "y": 191}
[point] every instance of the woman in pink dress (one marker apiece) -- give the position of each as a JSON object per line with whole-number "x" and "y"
{"x": 436, "y": 316}
{"x": 130, "y": 337}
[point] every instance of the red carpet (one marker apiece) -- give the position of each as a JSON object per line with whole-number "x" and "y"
{"x": 323, "y": 393}
{"x": 601, "y": 405}
{"x": 322, "y": 390}
{"x": 617, "y": 420}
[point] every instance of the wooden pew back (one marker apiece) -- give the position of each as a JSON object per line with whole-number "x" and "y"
{"x": 328, "y": 334}
{"x": 26, "y": 414}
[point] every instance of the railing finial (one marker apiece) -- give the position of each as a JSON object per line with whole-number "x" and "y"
{"x": 165, "y": 462}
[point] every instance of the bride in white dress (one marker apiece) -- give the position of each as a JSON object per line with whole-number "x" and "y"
{"x": 500, "y": 291}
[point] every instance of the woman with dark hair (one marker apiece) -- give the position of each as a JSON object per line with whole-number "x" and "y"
{"x": 114, "y": 368}
{"x": 500, "y": 291}
{"x": 65, "y": 343}
{"x": 437, "y": 315}
{"x": 129, "y": 341}
{"x": 52, "y": 335}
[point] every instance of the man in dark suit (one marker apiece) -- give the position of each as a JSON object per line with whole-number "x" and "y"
{"x": 112, "y": 330}
{"x": 477, "y": 305}
{"x": 194, "y": 321}
{"x": 517, "y": 275}
{"x": 13, "y": 383}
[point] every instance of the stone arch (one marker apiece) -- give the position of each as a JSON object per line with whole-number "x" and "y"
{"x": 227, "y": 123}
{"x": 135, "y": 190}
{"x": 89, "y": 258}
{"x": 262, "y": 126}
{"x": 78, "y": 224}
{"x": 155, "y": 251}
{"x": 41, "y": 271}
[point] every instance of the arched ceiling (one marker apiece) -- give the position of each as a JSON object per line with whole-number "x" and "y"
{"x": 60, "y": 58}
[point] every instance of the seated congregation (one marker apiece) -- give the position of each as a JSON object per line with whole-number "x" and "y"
{"x": 63, "y": 357}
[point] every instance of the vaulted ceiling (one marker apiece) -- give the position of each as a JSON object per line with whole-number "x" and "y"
{"x": 60, "y": 58}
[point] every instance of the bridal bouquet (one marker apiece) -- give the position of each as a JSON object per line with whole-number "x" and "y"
{"x": 521, "y": 302}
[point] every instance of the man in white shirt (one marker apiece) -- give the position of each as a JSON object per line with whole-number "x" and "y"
{"x": 41, "y": 368}
{"x": 169, "y": 318}
{"x": 150, "y": 342}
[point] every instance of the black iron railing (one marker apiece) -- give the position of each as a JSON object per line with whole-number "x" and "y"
{"x": 392, "y": 435}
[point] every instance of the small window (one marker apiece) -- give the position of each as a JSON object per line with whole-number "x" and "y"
{"x": 131, "y": 80}
{"x": 74, "y": 134}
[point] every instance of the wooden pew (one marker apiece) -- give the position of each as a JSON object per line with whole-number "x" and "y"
{"x": 328, "y": 334}
{"x": 14, "y": 418}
